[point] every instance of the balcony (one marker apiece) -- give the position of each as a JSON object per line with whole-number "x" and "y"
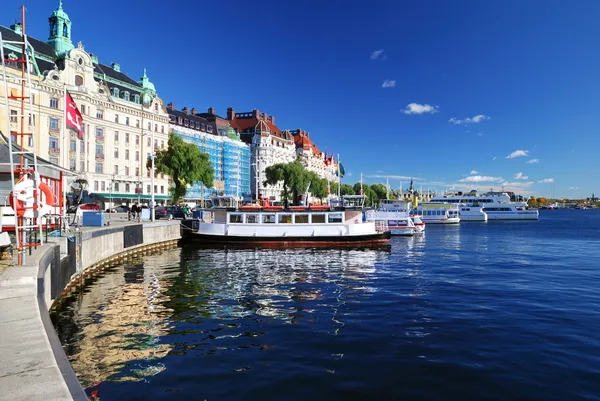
{"x": 72, "y": 154}
{"x": 99, "y": 156}
{"x": 54, "y": 151}
{"x": 99, "y": 139}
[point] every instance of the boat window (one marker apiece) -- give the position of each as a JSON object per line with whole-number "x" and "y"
{"x": 268, "y": 218}
{"x": 235, "y": 218}
{"x": 318, "y": 218}
{"x": 252, "y": 218}
{"x": 301, "y": 218}
{"x": 285, "y": 219}
{"x": 335, "y": 218}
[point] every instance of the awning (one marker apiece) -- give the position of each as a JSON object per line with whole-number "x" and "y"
{"x": 130, "y": 196}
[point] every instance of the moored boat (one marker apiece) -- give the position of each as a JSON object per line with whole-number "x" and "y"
{"x": 225, "y": 223}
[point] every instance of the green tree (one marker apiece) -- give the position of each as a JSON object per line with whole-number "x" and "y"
{"x": 346, "y": 189}
{"x": 185, "y": 164}
{"x": 293, "y": 177}
{"x": 380, "y": 190}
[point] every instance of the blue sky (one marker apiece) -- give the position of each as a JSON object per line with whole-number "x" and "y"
{"x": 469, "y": 83}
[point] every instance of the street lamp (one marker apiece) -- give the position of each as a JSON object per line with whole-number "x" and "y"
{"x": 148, "y": 101}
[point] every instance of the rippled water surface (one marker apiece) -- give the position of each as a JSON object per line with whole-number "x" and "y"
{"x": 496, "y": 311}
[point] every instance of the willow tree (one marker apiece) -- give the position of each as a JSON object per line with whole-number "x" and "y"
{"x": 185, "y": 164}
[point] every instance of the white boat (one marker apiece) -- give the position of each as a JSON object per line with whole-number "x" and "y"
{"x": 438, "y": 213}
{"x": 267, "y": 225}
{"x": 396, "y": 214}
{"x": 472, "y": 213}
{"x": 496, "y": 205}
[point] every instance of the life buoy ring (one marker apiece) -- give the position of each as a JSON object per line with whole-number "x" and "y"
{"x": 25, "y": 199}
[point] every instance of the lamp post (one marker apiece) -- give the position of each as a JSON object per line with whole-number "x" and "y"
{"x": 152, "y": 155}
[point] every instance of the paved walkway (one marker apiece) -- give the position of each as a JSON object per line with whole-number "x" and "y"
{"x": 29, "y": 370}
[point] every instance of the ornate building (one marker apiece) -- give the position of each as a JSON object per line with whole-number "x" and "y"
{"x": 230, "y": 157}
{"x": 269, "y": 146}
{"x": 312, "y": 158}
{"x": 120, "y": 115}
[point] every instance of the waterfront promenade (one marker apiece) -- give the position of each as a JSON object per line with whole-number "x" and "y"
{"x": 34, "y": 365}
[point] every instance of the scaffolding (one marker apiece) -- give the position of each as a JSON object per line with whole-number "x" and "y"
{"x": 28, "y": 224}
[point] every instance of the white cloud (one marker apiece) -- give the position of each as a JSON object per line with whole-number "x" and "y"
{"x": 416, "y": 108}
{"x": 572, "y": 188}
{"x": 481, "y": 178}
{"x": 474, "y": 172}
{"x": 518, "y": 153}
{"x": 479, "y": 134}
{"x": 469, "y": 120}
{"x": 389, "y": 83}
{"x": 546, "y": 181}
{"x": 520, "y": 176}
{"x": 533, "y": 161}
{"x": 349, "y": 174}
{"x": 509, "y": 185}
{"x": 494, "y": 158}
{"x": 378, "y": 55}
{"x": 394, "y": 177}
{"x": 379, "y": 171}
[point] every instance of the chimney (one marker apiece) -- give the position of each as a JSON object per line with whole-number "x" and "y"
{"x": 185, "y": 110}
{"x": 256, "y": 114}
{"x": 171, "y": 106}
{"x": 272, "y": 119}
{"x": 193, "y": 111}
{"x": 18, "y": 28}
{"x": 211, "y": 111}
{"x": 230, "y": 113}
{"x": 116, "y": 67}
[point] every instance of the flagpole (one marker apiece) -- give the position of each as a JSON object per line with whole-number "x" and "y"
{"x": 339, "y": 179}
{"x": 65, "y": 157}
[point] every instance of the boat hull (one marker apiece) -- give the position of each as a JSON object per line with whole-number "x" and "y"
{"x": 405, "y": 231}
{"x": 512, "y": 216}
{"x": 300, "y": 241}
{"x": 450, "y": 220}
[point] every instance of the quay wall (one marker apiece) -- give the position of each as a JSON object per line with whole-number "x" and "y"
{"x": 35, "y": 366}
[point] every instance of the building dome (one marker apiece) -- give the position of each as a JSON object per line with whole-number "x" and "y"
{"x": 59, "y": 12}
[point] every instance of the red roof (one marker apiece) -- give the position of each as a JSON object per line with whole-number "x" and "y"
{"x": 302, "y": 140}
{"x": 248, "y": 122}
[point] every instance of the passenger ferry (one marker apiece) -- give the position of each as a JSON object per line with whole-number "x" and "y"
{"x": 396, "y": 214}
{"x": 266, "y": 225}
{"x": 439, "y": 213}
{"x": 496, "y": 205}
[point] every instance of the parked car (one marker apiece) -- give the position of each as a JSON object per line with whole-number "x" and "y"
{"x": 169, "y": 212}
{"x": 118, "y": 209}
{"x": 84, "y": 206}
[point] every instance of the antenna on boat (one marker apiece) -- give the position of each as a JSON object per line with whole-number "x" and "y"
{"x": 387, "y": 187}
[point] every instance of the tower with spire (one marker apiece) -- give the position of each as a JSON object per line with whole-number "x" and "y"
{"x": 60, "y": 31}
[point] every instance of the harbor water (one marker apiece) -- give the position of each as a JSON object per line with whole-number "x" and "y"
{"x": 476, "y": 311}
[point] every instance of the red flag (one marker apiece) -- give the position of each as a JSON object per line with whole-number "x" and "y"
{"x": 74, "y": 119}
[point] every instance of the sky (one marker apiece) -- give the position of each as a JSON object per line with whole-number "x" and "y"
{"x": 455, "y": 94}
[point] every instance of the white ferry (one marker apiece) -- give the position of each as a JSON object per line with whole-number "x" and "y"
{"x": 267, "y": 225}
{"x": 439, "y": 213}
{"x": 496, "y": 205}
{"x": 396, "y": 214}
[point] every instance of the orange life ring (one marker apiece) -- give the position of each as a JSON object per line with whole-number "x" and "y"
{"x": 20, "y": 208}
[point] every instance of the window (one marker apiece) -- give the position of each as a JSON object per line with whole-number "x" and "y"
{"x": 155, "y": 106}
{"x": 155, "y": 127}
{"x": 102, "y": 186}
{"x": 318, "y": 218}
{"x": 73, "y": 146}
{"x": 98, "y": 167}
{"x": 235, "y": 218}
{"x": 187, "y": 122}
{"x": 137, "y": 155}
{"x": 126, "y": 120}
{"x": 81, "y": 147}
{"x": 99, "y": 133}
{"x": 209, "y": 128}
{"x": 83, "y": 110}
{"x": 137, "y": 123}
{"x": 54, "y": 143}
{"x": 126, "y": 96}
{"x": 162, "y": 189}
{"x": 78, "y": 80}
{"x": 268, "y": 218}
{"x": 148, "y": 188}
{"x": 137, "y": 171}
{"x": 162, "y": 129}
{"x": 99, "y": 150}
{"x": 54, "y": 160}
{"x": 53, "y": 123}
{"x": 126, "y": 170}
{"x": 162, "y": 144}
{"x": 285, "y": 218}
{"x": 54, "y": 103}
{"x": 155, "y": 188}
{"x": 136, "y": 98}
{"x": 203, "y": 127}
{"x": 148, "y": 172}
{"x": 127, "y": 137}
{"x": 13, "y": 116}
{"x": 116, "y": 169}
{"x": 126, "y": 187}
{"x": 31, "y": 119}
{"x": 116, "y": 153}
{"x": 301, "y": 219}
{"x": 149, "y": 141}
{"x": 116, "y": 92}
{"x": 252, "y": 218}
{"x": 137, "y": 139}
{"x": 95, "y": 185}
{"x": 82, "y": 166}
{"x": 100, "y": 115}
{"x": 29, "y": 140}
{"x": 116, "y": 186}
{"x": 335, "y": 218}
{"x": 116, "y": 118}
{"x": 126, "y": 154}
{"x": 156, "y": 144}
{"x": 116, "y": 136}
{"x": 192, "y": 124}
{"x": 149, "y": 125}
